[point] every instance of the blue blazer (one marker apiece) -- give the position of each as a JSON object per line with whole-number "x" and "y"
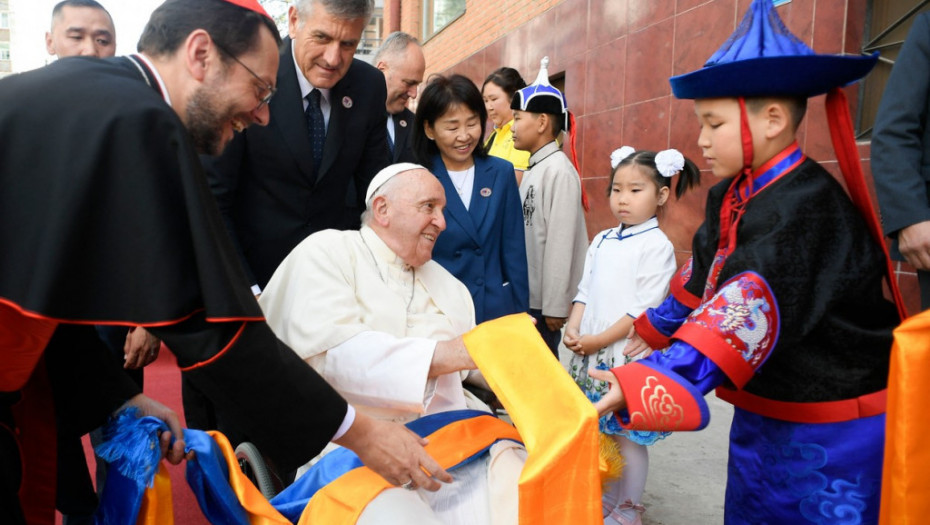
{"x": 483, "y": 246}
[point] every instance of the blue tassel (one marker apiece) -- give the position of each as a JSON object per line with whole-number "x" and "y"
{"x": 131, "y": 445}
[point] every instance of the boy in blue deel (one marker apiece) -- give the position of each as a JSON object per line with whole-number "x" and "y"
{"x": 780, "y": 308}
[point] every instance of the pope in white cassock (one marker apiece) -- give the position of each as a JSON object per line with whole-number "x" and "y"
{"x": 382, "y": 322}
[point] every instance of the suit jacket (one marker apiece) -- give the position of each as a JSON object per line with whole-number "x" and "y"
{"x": 901, "y": 137}
{"x": 483, "y": 245}
{"x": 263, "y": 181}
{"x": 403, "y": 140}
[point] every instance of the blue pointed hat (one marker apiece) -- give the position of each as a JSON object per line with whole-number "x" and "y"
{"x": 763, "y": 58}
{"x": 542, "y": 97}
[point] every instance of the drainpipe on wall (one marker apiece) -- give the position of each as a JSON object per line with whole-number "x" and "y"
{"x": 395, "y": 16}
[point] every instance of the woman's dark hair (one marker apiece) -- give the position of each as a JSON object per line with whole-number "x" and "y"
{"x": 506, "y": 78}
{"x": 440, "y": 94}
{"x": 233, "y": 28}
{"x": 688, "y": 177}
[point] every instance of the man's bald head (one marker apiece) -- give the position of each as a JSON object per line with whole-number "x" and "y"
{"x": 401, "y": 60}
{"x": 81, "y": 28}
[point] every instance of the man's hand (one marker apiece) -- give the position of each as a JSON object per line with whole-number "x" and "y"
{"x": 635, "y": 345}
{"x": 149, "y": 407}
{"x": 450, "y": 356}
{"x": 613, "y": 399}
{"x": 141, "y": 348}
{"x": 394, "y": 452}
{"x": 914, "y": 243}
{"x": 555, "y": 323}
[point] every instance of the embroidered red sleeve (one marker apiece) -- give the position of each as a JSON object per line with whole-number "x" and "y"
{"x": 659, "y": 399}
{"x": 653, "y": 337}
{"x": 678, "y": 290}
{"x": 736, "y": 328}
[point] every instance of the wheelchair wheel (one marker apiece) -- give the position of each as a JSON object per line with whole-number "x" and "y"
{"x": 255, "y": 468}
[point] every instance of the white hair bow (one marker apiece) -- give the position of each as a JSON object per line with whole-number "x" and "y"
{"x": 617, "y": 156}
{"x": 669, "y": 162}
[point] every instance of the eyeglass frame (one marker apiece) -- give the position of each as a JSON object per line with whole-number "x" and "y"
{"x": 271, "y": 89}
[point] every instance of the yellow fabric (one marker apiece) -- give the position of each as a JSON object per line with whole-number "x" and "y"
{"x": 503, "y": 148}
{"x": 905, "y": 479}
{"x": 344, "y": 499}
{"x": 157, "y": 507}
{"x": 560, "y": 481}
{"x": 610, "y": 460}
{"x": 255, "y": 504}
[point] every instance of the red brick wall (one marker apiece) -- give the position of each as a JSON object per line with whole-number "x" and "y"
{"x": 484, "y": 21}
{"x": 617, "y": 56}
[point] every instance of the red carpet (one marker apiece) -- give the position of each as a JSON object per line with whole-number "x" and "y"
{"x": 163, "y": 383}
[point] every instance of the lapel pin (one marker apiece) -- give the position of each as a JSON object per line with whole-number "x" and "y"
{"x": 403, "y": 123}
{"x": 485, "y": 192}
{"x": 346, "y": 102}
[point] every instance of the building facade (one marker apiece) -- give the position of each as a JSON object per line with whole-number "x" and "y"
{"x": 613, "y": 58}
{"x": 6, "y": 24}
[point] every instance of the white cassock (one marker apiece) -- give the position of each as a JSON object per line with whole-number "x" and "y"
{"x": 369, "y": 325}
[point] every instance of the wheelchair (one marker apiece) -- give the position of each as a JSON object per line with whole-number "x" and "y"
{"x": 259, "y": 471}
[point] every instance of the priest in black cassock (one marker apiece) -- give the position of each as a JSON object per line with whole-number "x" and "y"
{"x": 106, "y": 218}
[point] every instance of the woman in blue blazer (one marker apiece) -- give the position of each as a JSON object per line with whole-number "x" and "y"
{"x": 483, "y": 241}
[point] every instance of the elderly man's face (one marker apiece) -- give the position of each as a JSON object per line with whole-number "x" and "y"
{"x": 415, "y": 217}
{"x": 81, "y": 31}
{"x": 323, "y": 44}
{"x": 403, "y": 73}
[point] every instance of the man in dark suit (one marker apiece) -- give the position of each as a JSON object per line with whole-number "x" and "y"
{"x": 401, "y": 60}
{"x": 309, "y": 168}
{"x": 901, "y": 154}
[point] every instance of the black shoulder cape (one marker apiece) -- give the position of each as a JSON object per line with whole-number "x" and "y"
{"x": 106, "y": 218}
{"x": 102, "y": 190}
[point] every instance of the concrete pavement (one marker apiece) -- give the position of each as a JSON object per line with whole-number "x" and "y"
{"x": 688, "y": 471}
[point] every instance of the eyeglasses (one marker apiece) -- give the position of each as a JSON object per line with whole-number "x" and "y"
{"x": 271, "y": 89}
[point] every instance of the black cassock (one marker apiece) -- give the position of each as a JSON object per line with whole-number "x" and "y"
{"x": 106, "y": 218}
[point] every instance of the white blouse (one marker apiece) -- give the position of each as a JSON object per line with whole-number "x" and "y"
{"x": 626, "y": 271}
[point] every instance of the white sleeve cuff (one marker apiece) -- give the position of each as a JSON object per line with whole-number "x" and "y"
{"x": 346, "y": 423}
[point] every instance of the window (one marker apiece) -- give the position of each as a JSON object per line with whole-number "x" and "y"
{"x": 437, "y": 14}
{"x": 371, "y": 36}
{"x": 4, "y": 20}
{"x": 4, "y": 51}
{"x": 887, "y": 26}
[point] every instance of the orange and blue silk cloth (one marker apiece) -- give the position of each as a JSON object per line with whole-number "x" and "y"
{"x": 905, "y": 479}
{"x": 560, "y": 481}
{"x": 138, "y": 488}
{"x": 455, "y": 439}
